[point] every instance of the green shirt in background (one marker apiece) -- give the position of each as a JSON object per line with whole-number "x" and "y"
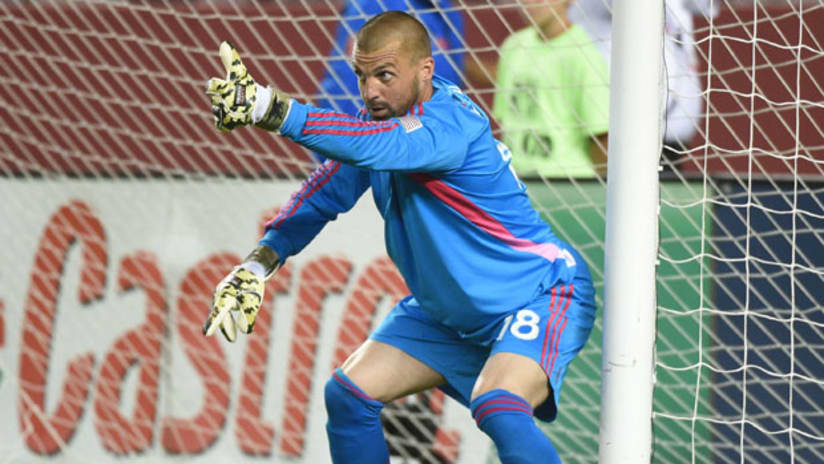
{"x": 552, "y": 96}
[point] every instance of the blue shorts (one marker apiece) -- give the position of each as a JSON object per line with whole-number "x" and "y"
{"x": 551, "y": 330}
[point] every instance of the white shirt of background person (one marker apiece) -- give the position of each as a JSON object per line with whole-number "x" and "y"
{"x": 684, "y": 98}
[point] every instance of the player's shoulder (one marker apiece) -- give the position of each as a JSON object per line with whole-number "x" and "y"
{"x": 450, "y": 103}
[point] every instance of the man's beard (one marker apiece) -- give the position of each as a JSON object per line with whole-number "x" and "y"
{"x": 395, "y": 113}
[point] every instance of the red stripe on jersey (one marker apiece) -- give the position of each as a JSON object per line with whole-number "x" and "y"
{"x": 330, "y": 114}
{"x": 557, "y": 341}
{"x": 348, "y": 123}
{"x": 350, "y": 132}
{"x": 286, "y": 210}
{"x": 323, "y": 181}
{"x": 481, "y": 218}
{"x": 552, "y": 325}
{"x": 554, "y": 293}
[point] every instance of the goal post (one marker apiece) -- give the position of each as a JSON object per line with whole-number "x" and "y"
{"x": 636, "y": 122}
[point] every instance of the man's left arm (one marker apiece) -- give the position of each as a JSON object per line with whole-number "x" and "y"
{"x": 413, "y": 143}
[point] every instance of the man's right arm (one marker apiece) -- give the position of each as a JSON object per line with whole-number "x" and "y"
{"x": 333, "y": 188}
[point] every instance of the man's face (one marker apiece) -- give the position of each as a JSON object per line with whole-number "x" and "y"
{"x": 388, "y": 80}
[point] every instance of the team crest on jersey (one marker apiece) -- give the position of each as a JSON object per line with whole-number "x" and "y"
{"x": 410, "y": 123}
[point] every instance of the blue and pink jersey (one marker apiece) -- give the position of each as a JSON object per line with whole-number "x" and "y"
{"x": 458, "y": 223}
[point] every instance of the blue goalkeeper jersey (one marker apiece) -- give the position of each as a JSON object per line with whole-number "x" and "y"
{"x": 458, "y": 223}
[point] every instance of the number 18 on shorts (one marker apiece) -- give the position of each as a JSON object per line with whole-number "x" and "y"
{"x": 551, "y": 330}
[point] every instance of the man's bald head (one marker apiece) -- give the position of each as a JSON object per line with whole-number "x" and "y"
{"x": 393, "y": 61}
{"x": 395, "y": 26}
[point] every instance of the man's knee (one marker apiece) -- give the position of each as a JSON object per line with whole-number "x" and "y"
{"x": 354, "y": 425}
{"x": 507, "y": 419}
{"x": 516, "y": 374}
{"x": 346, "y": 401}
{"x": 388, "y": 373}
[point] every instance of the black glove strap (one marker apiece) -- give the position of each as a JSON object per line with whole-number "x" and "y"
{"x": 276, "y": 113}
{"x": 266, "y": 257}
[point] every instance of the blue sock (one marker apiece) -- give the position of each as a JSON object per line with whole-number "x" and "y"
{"x": 507, "y": 419}
{"x": 354, "y": 426}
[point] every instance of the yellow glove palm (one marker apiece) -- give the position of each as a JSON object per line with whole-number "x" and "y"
{"x": 241, "y": 291}
{"x": 238, "y": 100}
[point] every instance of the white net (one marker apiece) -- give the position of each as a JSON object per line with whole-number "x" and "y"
{"x": 739, "y": 328}
{"x": 123, "y": 206}
{"x": 739, "y": 324}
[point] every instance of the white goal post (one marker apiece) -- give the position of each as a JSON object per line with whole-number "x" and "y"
{"x": 636, "y": 130}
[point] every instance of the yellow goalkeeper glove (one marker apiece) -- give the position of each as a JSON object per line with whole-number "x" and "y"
{"x": 241, "y": 291}
{"x": 239, "y": 101}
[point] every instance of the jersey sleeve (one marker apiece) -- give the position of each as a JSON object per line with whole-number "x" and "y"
{"x": 331, "y": 189}
{"x": 410, "y": 143}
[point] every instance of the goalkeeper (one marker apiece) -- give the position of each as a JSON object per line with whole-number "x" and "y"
{"x": 499, "y": 304}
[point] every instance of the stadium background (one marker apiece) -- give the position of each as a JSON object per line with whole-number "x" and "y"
{"x": 84, "y": 156}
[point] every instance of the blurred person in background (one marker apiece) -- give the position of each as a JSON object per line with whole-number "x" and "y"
{"x": 684, "y": 106}
{"x": 552, "y": 96}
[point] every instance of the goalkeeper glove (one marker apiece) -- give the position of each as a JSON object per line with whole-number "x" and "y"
{"x": 241, "y": 291}
{"x": 239, "y": 101}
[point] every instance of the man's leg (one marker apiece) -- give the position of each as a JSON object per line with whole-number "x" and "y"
{"x": 509, "y": 388}
{"x": 526, "y": 369}
{"x": 374, "y": 374}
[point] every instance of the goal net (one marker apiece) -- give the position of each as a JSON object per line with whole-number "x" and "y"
{"x": 738, "y": 362}
{"x": 123, "y": 207}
